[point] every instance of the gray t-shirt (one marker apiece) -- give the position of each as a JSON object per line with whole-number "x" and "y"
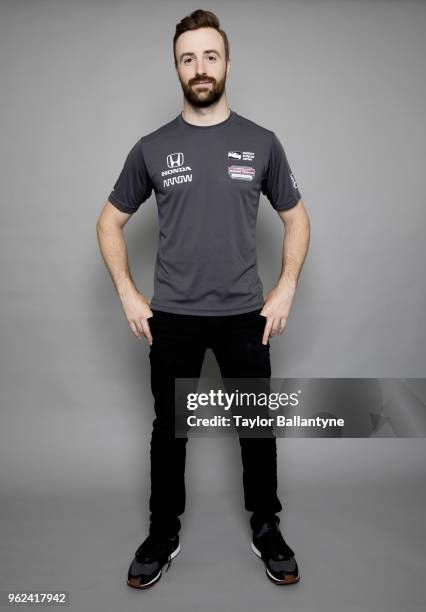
{"x": 207, "y": 181}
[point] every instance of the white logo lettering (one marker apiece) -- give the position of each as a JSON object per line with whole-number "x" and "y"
{"x": 294, "y": 180}
{"x": 187, "y": 178}
{"x": 184, "y": 169}
{"x": 174, "y": 160}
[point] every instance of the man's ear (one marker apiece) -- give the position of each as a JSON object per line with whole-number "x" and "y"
{"x": 228, "y": 67}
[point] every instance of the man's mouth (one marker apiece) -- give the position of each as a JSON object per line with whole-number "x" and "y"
{"x": 201, "y": 82}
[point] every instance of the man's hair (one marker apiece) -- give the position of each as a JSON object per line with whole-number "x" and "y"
{"x": 199, "y": 19}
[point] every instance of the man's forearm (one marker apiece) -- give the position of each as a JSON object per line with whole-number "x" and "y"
{"x": 114, "y": 253}
{"x": 295, "y": 247}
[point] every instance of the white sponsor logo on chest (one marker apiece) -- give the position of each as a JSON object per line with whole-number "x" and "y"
{"x": 243, "y": 155}
{"x": 243, "y": 173}
{"x": 175, "y": 165}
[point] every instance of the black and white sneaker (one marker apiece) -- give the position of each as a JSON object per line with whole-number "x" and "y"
{"x": 269, "y": 544}
{"x": 147, "y": 566}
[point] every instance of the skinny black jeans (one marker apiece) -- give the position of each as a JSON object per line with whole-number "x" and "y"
{"x": 178, "y": 350}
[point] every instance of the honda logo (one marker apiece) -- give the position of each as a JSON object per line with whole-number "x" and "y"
{"x": 174, "y": 160}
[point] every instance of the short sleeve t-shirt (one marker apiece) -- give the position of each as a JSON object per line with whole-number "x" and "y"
{"x": 207, "y": 182}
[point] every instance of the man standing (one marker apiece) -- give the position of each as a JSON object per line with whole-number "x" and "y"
{"x": 207, "y": 168}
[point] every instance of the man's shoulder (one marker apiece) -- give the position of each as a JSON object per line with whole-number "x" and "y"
{"x": 247, "y": 123}
{"x": 163, "y": 131}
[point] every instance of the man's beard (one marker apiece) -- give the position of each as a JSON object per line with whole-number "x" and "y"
{"x": 197, "y": 96}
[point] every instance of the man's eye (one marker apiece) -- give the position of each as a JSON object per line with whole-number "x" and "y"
{"x": 186, "y": 60}
{"x": 212, "y": 57}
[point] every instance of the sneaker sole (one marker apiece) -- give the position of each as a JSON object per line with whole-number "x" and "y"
{"x": 133, "y": 582}
{"x": 287, "y": 580}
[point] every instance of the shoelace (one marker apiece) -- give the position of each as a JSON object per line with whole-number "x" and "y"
{"x": 274, "y": 544}
{"x": 152, "y": 548}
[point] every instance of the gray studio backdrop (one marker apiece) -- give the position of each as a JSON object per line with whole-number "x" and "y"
{"x": 342, "y": 84}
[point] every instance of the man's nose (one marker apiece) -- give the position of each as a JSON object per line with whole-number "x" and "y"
{"x": 200, "y": 68}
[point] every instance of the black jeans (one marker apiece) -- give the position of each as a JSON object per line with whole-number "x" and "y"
{"x": 178, "y": 349}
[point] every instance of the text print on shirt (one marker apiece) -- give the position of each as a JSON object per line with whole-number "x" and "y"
{"x": 244, "y": 173}
{"x": 244, "y": 155}
{"x": 175, "y": 165}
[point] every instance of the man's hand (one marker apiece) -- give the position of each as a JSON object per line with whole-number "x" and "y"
{"x": 276, "y": 310}
{"x": 137, "y": 311}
